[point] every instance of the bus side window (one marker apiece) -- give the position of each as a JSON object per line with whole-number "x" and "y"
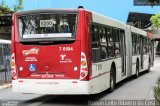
{"x": 133, "y": 44}
{"x": 95, "y": 37}
{"x": 145, "y": 49}
{"x": 138, "y": 44}
{"x": 117, "y": 42}
{"x": 95, "y": 43}
{"x": 149, "y": 44}
{"x": 103, "y": 52}
{"x": 103, "y": 40}
{"x": 111, "y": 43}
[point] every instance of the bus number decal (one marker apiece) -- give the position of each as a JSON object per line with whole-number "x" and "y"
{"x": 46, "y": 23}
{"x": 65, "y": 49}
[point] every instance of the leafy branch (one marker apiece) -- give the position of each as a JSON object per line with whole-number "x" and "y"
{"x": 155, "y": 20}
{"x": 5, "y": 9}
{"x": 18, "y": 6}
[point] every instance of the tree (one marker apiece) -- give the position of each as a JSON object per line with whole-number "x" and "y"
{"x": 18, "y": 6}
{"x": 5, "y": 9}
{"x": 155, "y": 20}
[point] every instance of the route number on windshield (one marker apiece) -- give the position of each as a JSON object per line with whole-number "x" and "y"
{"x": 46, "y": 23}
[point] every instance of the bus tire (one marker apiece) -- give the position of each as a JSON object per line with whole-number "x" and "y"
{"x": 112, "y": 79}
{"x": 137, "y": 70}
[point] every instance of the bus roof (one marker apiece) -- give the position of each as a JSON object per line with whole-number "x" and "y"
{"x": 47, "y": 11}
{"x": 138, "y": 31}
{"x": 98, "y": 18}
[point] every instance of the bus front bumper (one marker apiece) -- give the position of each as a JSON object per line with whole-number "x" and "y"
{"x": 50, "y": 86}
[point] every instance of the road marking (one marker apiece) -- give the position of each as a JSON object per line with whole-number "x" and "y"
{"x": 43, "y": 100}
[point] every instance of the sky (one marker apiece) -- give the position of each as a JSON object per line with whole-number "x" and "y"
{"x": 116, "y": 9}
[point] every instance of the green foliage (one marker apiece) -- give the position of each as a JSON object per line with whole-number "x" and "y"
{"x": 18, "y": 6}
{"x": 156, "y": 90}
{"x": 157, "y": 94}
{"x": 155, "y": 20}
{"x": 5, "y": 9}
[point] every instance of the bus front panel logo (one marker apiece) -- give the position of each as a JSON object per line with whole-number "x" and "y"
{"x": 30, "y": 51}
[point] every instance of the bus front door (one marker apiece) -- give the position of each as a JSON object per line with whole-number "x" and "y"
{"x": 123, "y": 52}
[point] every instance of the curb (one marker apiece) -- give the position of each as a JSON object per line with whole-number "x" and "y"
{"x": 5, "y": 86}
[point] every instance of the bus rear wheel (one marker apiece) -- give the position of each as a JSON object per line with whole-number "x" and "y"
{"x": 112, "y": 80}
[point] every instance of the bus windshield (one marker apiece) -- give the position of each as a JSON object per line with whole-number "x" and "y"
{"x": 43, "y": 26}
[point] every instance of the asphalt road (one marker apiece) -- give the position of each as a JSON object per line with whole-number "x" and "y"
{"x": 130, "y": 89}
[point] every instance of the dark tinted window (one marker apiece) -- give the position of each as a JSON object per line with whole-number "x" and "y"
{"x": 117, "y": 42}
{"x": 95, "y": 37}
{"x": 110, "y": 42}
{"x": 135, "y": 44}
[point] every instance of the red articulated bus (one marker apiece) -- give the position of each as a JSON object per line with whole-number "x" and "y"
{"x": 70, "y": 51}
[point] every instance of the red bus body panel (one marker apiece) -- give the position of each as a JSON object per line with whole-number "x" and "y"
{"x": 52, "y": 60}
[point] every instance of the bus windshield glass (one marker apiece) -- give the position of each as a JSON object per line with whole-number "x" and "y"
{"x": 43, "y": 26}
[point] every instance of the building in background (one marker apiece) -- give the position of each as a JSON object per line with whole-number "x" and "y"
{"x": 5, "y": 27}
{"x": 139, "y": 20}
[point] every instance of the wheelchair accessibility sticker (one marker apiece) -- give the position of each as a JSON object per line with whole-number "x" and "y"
{"x": 32, "y": 67}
